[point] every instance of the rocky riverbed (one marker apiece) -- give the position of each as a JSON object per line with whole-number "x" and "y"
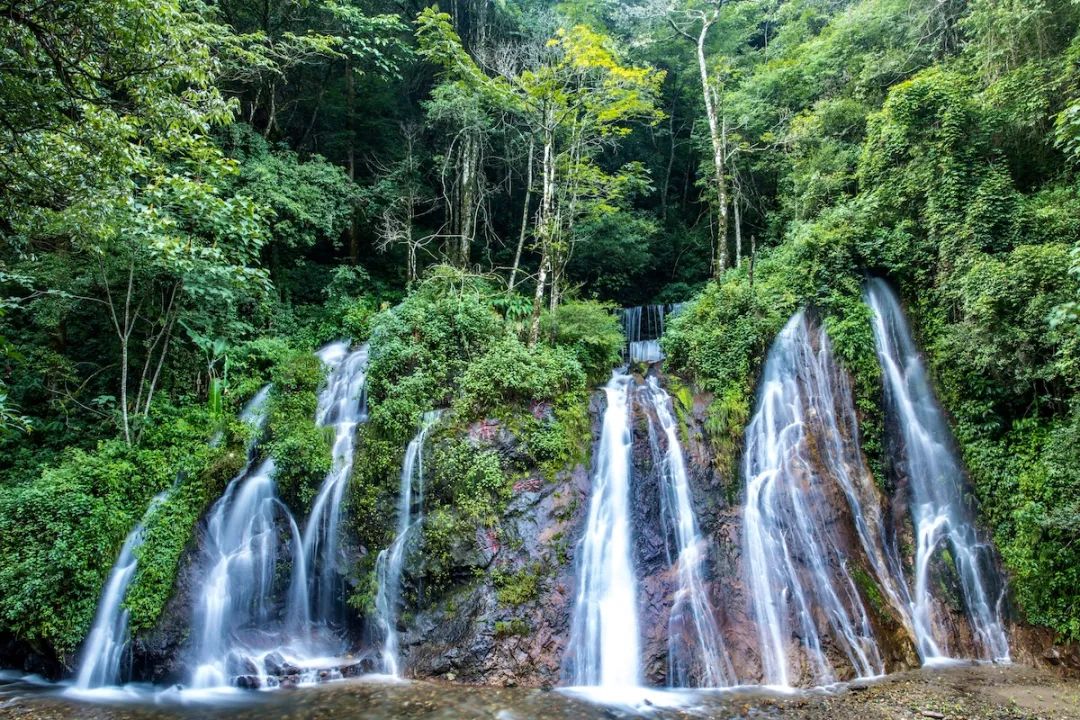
{"x": 951, "y": 693}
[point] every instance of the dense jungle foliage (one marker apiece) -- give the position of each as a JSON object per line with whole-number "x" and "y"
{"x": 196, "y": 194}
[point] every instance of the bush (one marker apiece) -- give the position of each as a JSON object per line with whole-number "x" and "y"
{"x": 591, "y": 332}
{"x": 301, "y": 450}
{"x": 61, "y": 531}
{"x": 510, "y": 374}
{"x": 469, "y": 480}
{"x": 421, "y": 347}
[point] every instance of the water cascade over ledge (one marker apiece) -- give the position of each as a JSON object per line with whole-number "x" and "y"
{"x": 696, "y": 652}
{"x": 804, "y": 598}
{"x": 391, "y": 561}
{"x": 239, "y": 560}
{"x": 103, "y": 652}
{"x": 605, "y": 643}
{"x": 940, "y": 505}
{"x": 342, "y": 406}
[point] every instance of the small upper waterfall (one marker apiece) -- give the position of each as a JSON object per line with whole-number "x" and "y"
{"x": 103, "y": 651}
{"x": 940, "y": 504}
{"x": 605, "y": 644}
{"x": 342, "y": 406}
{"x": 801, "y": 588}
{"x": 239, "y": 560}
{"x": 696, "y": 652}
{"x": 390, "y": 562}
{"x": 643, "y": 327}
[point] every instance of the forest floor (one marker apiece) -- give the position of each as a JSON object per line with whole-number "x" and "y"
{"x": 953, "y": 693}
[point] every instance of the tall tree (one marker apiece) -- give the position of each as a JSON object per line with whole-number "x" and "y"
{"x": 574, "y": 100}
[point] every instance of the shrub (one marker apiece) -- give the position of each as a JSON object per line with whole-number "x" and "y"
{"x": 591, "y": 332}
{"x": 510, "y": 373}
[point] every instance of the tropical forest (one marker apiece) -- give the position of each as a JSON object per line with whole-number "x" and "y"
{"x": 540, "y": 359}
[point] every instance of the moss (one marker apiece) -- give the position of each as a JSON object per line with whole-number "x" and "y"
{"x": 520, "y": 587}
{"x": 510, "y": 628}
{"x": 443, "y": 533}
{"x": 301, "y": 450}
{"x": 470, "y": 480}
{"x": 372, "y": 491}
{"x": 870, "y": 591}
{"x": 169, "y": 531}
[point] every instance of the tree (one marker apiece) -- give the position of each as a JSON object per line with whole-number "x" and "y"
{"x": 114, "y": 194}
{"x": 694, "y": 21}
{"x": 397, "y": 198}
{"x": 576, "y": 99}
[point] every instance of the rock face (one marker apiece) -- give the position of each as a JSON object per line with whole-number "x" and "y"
{"x": 158, "y": 654}
{"x": 476, "y": 634}
{"x": 506, "y": 618}
{"x": 509, "y": 624}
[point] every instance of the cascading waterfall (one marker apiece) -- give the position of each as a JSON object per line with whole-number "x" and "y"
{"x": 605, "y": 644}
{"x": 696, "y": 652}
{"x": 240, "y": 559}
{"x": 390, "y": 563}
{"x": 103, "y": 652}
{"x": 797, "y": 572}
{"x": 940, "y": 505}
{"x": 342, "y": 406}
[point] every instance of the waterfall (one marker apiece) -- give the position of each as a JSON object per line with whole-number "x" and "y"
{"x": 103, "y": 652}
{"x": 390, "y": 563}
{"x": 643, "y": 327}
{"x": 604, "y": 642}
{"x": 940, "y": 504}
{"x": 797, "y": 570}
{"x": 342, "y": 406}
{"x": 695, "y": 647}
{"x": 239, "y": 560}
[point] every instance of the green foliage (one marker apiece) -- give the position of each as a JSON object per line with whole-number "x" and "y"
{"x": 471, "y": 481}
{"x": 422, "y": 346}
{"x": 510, "y": 373}
{"x": 511, "y": 628}
{"x": 301, "y": 450}
{"x": 518, "y": 588}
{"x": 169, "y": 530}
{"x": 446, "y": 538}
{"x": 560, "y": 439}
{"x": 56, "y": 528}
{"x": 591, "y": 331}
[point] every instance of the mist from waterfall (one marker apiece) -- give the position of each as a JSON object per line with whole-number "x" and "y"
{"x": 605, "y": 642}
{"x": 803, "y": 595}
{"x": 696, "y": 652}
{"x": 941, "y": 506}
{"x": 390, "y": 564}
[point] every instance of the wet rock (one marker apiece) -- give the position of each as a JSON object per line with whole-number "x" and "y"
{"x": 247, "y": 682}
{"x": 276, "y": 664}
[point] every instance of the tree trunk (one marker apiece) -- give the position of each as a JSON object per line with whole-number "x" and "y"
{"x": 736, "y": 202}
{"x": 470, "y": 159}
{"x": 350, "y": 99}
{"x": 538, "y": 300}
{"x": 547, "y": 230}
{"x": 524, "y": 215}
{"x": 716, "y": 137}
